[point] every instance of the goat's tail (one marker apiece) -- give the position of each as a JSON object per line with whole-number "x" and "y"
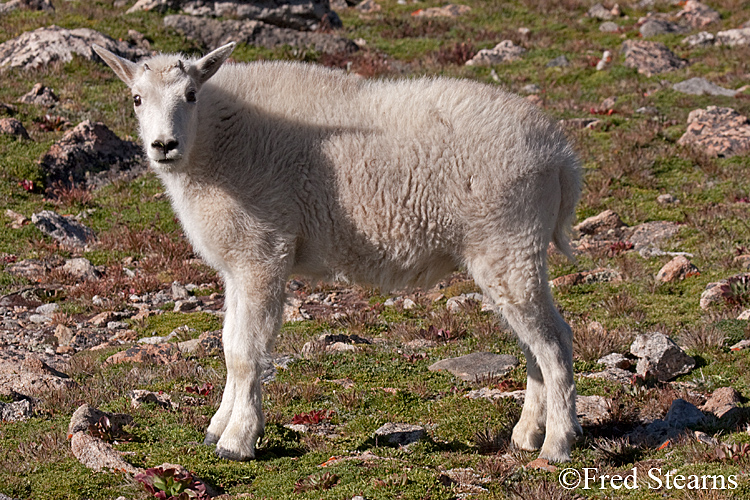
{"x": 570, "y": 189}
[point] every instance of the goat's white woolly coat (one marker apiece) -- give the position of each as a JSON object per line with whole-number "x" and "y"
{"x": 282, "y": 168}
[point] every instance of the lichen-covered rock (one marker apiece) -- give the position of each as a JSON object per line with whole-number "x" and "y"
{"x": 213, "y": 33}
{"x": 399, "y": 434}
{"x": 38, "y": 48}
{"x": 600, "y": 275}
{"x": 88, "y": 151}
{"x": 160, "y": 354}
{"x": 477, "y": 365}
{"x": 599, "y": 223}
{"x": 12, "y": 5}
{"x": 450, "y": 10}
{"x": 504, "y": 51}
{"x": 700, "y": 86}
{"x": 660, "y": 357}
{"x": 650, "y": 58}
{"x": 293, "y": 14}
{"x": 68, "y": 231}
{"x": 24, "y": 373}
{"x": 39, "y": 95}
{"x": 698, "y": 15}
{"x": 677, "y": 269}
{"x": 717, "y": 131}
{"x": 654, "y": 27}
{"x": 734, "y": 37}
{"x": 12, "y": 126}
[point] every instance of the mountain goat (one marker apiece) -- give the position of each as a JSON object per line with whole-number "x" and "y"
{"x": 281, "y": 168}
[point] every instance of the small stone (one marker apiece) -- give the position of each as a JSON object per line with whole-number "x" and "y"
{"x": 608, "y": 103}
{"x": 368, "y": 7}
{"x": 734, "y": 38}
{"x": 64, "y": 335}
{"x": 600, "y": 223}
{"x": 598, "y": 11}
{"x": 647, "y": 110}
{"x": 39, "y": 319}
{"x": 12, "y": 126}
{"x": 81, "y": 268}
{"x": 116, "y": 325}
{"x": 650, "y": 58}
{"x": 593, "y": 410}
{"x": 504, "y": 51}
{"x": 558, "y": 62}
{"x": 660, "y": 356}
{"x": 697, "y": 14}
{"x": 700, "y": 86}
{"x": 609, "y": 27}
{"x": 615, "y": 360}
{"x": 600, "y": 275}
{"x": 666, "y": 199}
{"x": 683, "y": 414}
{"x": 450, "y": 10}
{"x": 40, "y": 95}
{"x": 98, "y": 455}
{"x": 477, "y": 365}
{"x": 702, "y": 39}
{"x": 723, "y": 402}
{"x": 408, "y": 304}
{"x": 68, "y": 231}
{"x": 531, "y": 88}
{"x": 139, "y": 397}
{"x": 17, "y": 411}
{"x": 179, "y": 292}
{"x": 48, "y": 309}
{"x": 185, "y": 305}
{"x": 333, "y": 343}
{"x": 654, "y": 27}
{"x": 677, "y": 269}
{"x": 717, "y": 131}
{"x": 160, "y": 354}
{"x": 399, "y": 434}
{"x": 157, "y": 339}
{"x": 459, "y": 302}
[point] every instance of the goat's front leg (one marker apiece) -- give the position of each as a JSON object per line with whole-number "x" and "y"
{"x": 253, "y": 316}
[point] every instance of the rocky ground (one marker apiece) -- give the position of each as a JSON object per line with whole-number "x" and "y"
{"x": 110, "y": 346}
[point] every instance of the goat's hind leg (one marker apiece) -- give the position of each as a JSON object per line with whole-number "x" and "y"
{"x": 519, "y": 288}
{"x": 549, "y": 342}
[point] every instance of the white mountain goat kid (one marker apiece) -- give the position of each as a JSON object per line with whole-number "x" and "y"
{"x": 281, "y": 168}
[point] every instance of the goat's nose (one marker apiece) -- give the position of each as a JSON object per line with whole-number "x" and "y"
{"x": 166, "y": 148}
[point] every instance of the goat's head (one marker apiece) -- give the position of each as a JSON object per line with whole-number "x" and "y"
{"x": 165, "y": 92}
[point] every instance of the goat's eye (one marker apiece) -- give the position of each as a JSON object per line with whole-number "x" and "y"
{"x": 190, "y": 96}
{"x": 137, "y": 100}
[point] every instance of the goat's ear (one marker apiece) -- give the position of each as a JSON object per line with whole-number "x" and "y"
{"x": 123, "y": 68}
{"x": 211, "y": 62}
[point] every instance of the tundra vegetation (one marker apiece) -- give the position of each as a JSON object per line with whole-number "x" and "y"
{"x": 630, "y": 159}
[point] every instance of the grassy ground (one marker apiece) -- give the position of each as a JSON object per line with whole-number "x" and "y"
{"x": 630, "y": 159}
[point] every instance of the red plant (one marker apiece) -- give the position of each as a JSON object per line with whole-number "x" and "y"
{"x": 27, "y": 185}
{"x": 171, "y": 484}
{"x": 313, "y": 417}
{"x": 203, "y": 390}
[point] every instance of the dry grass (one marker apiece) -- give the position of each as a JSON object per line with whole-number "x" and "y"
{"x": 702, "y": 337}
{"x": 591, "y": 342}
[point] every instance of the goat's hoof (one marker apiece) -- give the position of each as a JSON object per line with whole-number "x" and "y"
{"x": 211, "y": 438}
{"x": 231, "y": 455}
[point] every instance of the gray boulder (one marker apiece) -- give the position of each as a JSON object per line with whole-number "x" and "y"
{"x": 214, "y": 33}
{"x": 81, "y": 268}
{"x": 700, "y": 86}
{"x": 305, "y": 15}
{"x": 660, "y": 356}
{"x": 39, "y": 95}
{"x": 12, "y": 126}
{"x": 38, "y": 48}
{"x": 650, "y": 58}
{"x": 12, "y": 5}
{"x": 477, "y": 365}
{"x": 654, "y": 27}
{"x": 399, "y": 434}
{"x": 91, "y": 153}
{"x": 68, "y": 231}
